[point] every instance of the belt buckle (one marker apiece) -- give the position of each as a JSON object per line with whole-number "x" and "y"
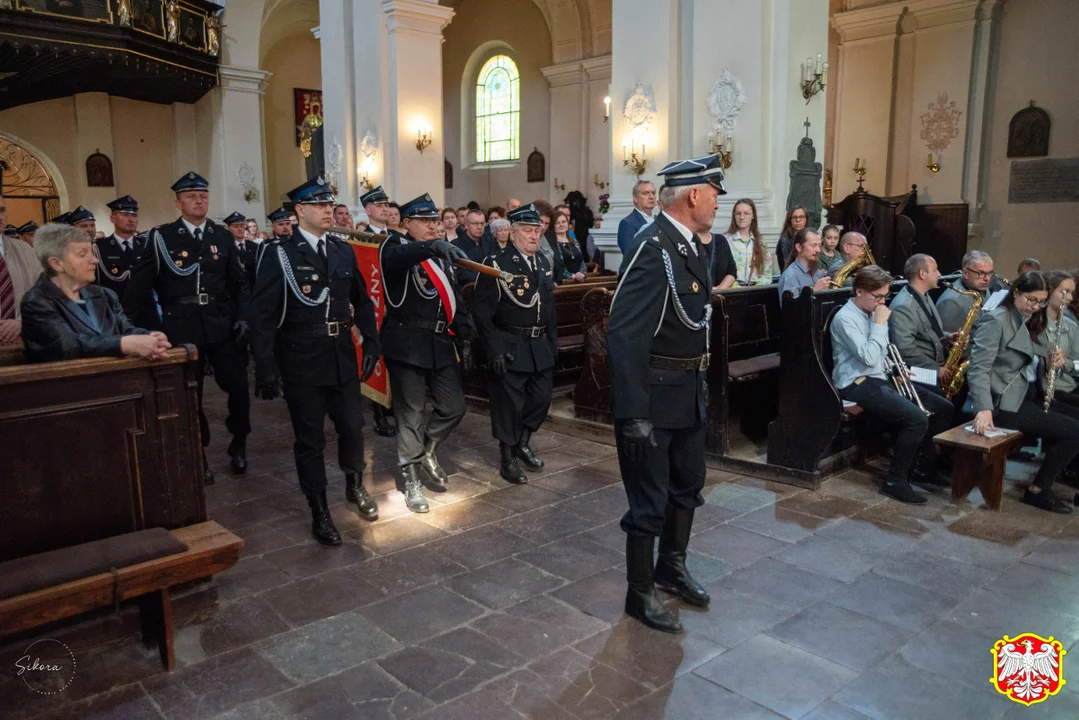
{"x": 204, "y": 298}
{"x": 440, "y": 327}
{"x": 704, "y": 362}
{"x": 333, "y": 329}
{"x": 535, "y": 332}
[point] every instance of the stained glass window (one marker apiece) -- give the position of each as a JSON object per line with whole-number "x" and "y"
{"x": 498, "y": 111}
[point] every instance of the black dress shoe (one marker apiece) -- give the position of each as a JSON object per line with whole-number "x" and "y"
{"x": 437, "y": 479}
{"x": 238, "y": 454}
{"x": 509, "y": 469}
{"x": 413, "y": 489}
{"x": 207, "y": 473}
{"x": 671, "y": 573}
{"x": 525, "y": 455}
{"x": 355, "y": 492}
{"x": 933, "y": 478}
{"x": 322, "y": 526}
{"x": 384, "y": 422}
{"x": 642, "y": 602}
{"x": 904, "y": 493}
{"x": 1045, "y": 500}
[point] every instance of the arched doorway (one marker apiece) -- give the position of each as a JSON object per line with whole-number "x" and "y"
{"x": 27, "y": 185}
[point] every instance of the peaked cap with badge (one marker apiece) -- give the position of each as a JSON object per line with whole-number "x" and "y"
{"x": 278, "y": 215}
{"x": 27, "y": 228}
{"x": 707, "y": 169}
{"x": 126, "y": 204}
{"x": 374, "y": 195}
{"x": 61, "y": 218}
{"x": 312, "y": 192}
{"x": 78, "y": 215}
{"x": 234, "y": 218}
{"x": 190, "y": 181}
{"x": 421, "y": 207}
{"x": 525, "y": 215}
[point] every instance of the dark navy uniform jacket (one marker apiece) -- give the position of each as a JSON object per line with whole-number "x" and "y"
{"x": 220, "y": 276}
{"x": 283, "y": 343}
{"x": 114, "y": 264}
{"x": 644, "y": 322}
{"x": 497, "y": 307}
{"x": 248, "y": 259}
{"x": 408, "y": 292}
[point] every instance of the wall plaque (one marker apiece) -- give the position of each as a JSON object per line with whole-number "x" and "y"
{"x": 1028, "y": 133}
{"x": 537, "y": 166}
{"x": 1044, "y": 181}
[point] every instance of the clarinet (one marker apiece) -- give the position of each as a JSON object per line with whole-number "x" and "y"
{"x": 1050, "y": 371}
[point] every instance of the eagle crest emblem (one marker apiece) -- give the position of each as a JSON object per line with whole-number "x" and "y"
{"x": 1028, "y": 668}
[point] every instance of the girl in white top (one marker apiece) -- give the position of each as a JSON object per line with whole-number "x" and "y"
{"x": 752, "y": 258}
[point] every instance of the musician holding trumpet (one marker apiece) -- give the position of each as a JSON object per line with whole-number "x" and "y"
{"x": 862, "y": 360}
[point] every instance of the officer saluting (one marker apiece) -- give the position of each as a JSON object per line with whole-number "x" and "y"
{"x": 302, "y": 338}
{"x": 422, "y": 305}
{"x": 520, "y": 336}
{"x": 204, "y": 297}
{"x": 237, "y": 227}
{"x": 657, "y": 338}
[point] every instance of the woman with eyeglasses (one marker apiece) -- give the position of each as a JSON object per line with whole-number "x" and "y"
{"x": 1003, "y": 368}
{"x": 953, "y": 305}
{"x": 796, "y": 220}
{"x": 753, "y": 265}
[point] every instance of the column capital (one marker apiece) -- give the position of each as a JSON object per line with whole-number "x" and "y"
{"x": 416, "y": 17}
{"x": 243, "y": 79}
{"x": 598, "y": 68}
{"x": 569, "y": 73}
{"x": 876, "y": 21}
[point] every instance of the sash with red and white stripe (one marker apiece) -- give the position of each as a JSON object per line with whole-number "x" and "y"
{"x": 442, "y": 287}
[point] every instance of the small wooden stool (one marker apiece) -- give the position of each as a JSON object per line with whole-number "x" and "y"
{"x": 978, "y": 463}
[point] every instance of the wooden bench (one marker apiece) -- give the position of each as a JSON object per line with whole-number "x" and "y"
{"x": 210, "y": 550}
{"x": 592, "y": 394}
{"x": 978, "y": 462}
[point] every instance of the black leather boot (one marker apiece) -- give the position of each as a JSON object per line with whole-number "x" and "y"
{"x": 207, "y": 473}
{"x": 671, "y": 573}
{"x": 322, "y": 526}
{"x": 413, "y": 490}
{"x": 437, "y": 479}
{"x": 355, "y": 492}
{"x": 524, "y": 452}
{"x": 238, "y": 454}
{"x": 384, "y": 422}
{"x": 642, "y": 602}
{"x": 510, "y": 470}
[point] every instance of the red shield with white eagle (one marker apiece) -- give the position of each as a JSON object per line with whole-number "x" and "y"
{"x": 1028, "y": 668}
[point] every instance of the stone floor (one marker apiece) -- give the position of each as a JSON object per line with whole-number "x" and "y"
{"x": 506, "y": 602}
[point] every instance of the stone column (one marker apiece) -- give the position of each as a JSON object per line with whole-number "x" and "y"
{"x": 237, "y": 142}
{"x": 569, "y": 155}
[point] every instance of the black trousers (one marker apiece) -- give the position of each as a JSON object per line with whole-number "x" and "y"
{"x": 913, "y": 429}
{"x": 1058, "y": 429}
{"x": 308, "y": 406}
{"x": 673, "y": 474}
{"x": 409, "y": 385}
{"x": 229, "y": 361}
{"x": 519, "y": 401}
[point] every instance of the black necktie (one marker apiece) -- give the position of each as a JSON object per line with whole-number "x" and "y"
{"x": 198, "y": 235}
{"x": 322, "y": 248}
{"x": 532, "y": 265}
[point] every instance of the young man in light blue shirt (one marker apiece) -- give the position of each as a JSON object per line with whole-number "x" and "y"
{"x": 804, "y": 271}
{"x": 859, "y": 348}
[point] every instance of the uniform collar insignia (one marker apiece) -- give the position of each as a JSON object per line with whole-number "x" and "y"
{"x": 682, "y": 250}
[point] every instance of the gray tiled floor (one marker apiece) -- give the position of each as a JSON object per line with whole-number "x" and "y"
{"x": 506, "y": 602}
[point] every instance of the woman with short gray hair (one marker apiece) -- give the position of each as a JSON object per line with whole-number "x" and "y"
{"x": 500, "y": 231}
{"x": 65, "y": 316}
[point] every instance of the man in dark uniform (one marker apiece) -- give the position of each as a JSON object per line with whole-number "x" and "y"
{"x": 280, "y": 226}
{"x": 376, "y": 204}
{"x": 422, "y": 306}
{"x": 237, "y": 227}
{"x": 520, "y": 336}
{"x": 657, "y": 339}
{"x": 83, "y": 219}
{"x": 302, "y": 339}
{"x": 116, "y": 253}
{"x": 203, "y": 293}
{"x": 27, "y": 230}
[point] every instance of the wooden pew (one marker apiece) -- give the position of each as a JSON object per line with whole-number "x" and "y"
{"x": 97, "y": 447}
{"x": 210, "y": 550}
{"x": 592, "y": 394}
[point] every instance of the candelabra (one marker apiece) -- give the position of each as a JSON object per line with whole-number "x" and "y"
{"x": 597, "y": 183}
{"x": 559, "y": 188}
{"x": 725, "y": 149}
{"x": 859, "y": 170}
{"x": 813, "y": 77}
{"x": 636, "y": 165}
{"x": 424, "y": 139}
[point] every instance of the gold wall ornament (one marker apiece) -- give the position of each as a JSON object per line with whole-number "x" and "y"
{"x": 213, "y": 35}
{"x": 310, "y": 124}
{"x": 940, "y": 123}
{"x": 828, "y": 188}
{"x": 172, "y": 21}
{"x": 123, "y": 13}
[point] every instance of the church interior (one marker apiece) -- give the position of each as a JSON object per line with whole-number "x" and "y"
{"x": 936, "y": 127}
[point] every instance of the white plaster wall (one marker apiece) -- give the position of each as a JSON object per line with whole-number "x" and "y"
{"x": 143, "y": 138}
{"x": 522, "y": 28}
{"x": 1036, "y": 60}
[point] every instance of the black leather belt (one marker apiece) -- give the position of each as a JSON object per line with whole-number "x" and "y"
{"x": 330, "y": 329}
{"x": 659, "y": 362}
{"x": 532, "y": 331}
{"x": 200, "y": 299}
{"x": 438, "y": 326}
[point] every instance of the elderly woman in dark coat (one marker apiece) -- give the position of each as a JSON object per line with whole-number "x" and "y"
{"x": 65, "y": 316}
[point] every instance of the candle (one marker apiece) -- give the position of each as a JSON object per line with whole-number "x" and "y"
{"x": 596, "y": 179}
{"x": 625, "y": 154}
{"x": 818, "y": 63}
{"x": 643, "y": 154}
{"x": 607, "y": 106}
{"x": 856, "y": 163}
{"x": 730, "y": 143}
{"x": 711, "y": 141}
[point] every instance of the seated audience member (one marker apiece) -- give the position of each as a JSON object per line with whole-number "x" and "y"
{"x": 914, "y": 327}
{"x": 794, "y": 222}
{"x": 803, "y": 270}
{"x": 1044, "y": 326}
{"x": 495, "y": 213}
{"x": 393, "y": 218}
{"x": 752, "y": 260}
{"x": 449, "y": 221}
{"x": 512, "y": 204}
{"x": 953, "y": 305}
{"x": 851, "y": 246}
{"x": 500, "y": 232}
{"x": 830, "y": 258}
{"x": 644, "y": 203}
{"x": 18, "y": 271}
{"x": 572, "y": 259}
{"x": 1028, "y": 265}
{"x": 341, "y": 216}
{"x": 859, "y": 348}
{"x": 461, "y": 215}
{"x": 581, "y": 220}
{"x": 722, "y": 268}
{"x": 1072, "y": 311}
{"x": 1003, "y": 364}
{"x": 472, "y": 242}
{"x": 66, "y": 317}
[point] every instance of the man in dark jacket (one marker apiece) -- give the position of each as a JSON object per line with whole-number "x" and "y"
{"x": 520, "y": 336}
{"x": 302, "y": 339}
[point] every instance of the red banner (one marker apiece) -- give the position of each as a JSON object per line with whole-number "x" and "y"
{"x": 377, "y": 386}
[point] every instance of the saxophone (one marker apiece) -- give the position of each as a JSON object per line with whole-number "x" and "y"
{"x": 865, "y": 257}
{"x": 955, "y": 361}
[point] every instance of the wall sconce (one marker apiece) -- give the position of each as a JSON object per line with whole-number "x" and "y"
{"x": 364, "y": 171}
{"x": 933, "y": 166}
{"x": 424, "y": 138}
{"x": 859, "y": 170}
{"x": 559, "y": 188}
{"x": 636, "y": 165}
{"x": 607, "y": 108}
{"x": 813, "y": 77}
{"x": 597, "y": 183}
{"x": 724, "y": 148}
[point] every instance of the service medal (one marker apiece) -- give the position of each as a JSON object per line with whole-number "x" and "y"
{"x": 526, "y": 284}
{"x": 183, "y": 253}
{"x": 306, "y": 289}
{"x": 215, "y": 257}
{"x": 179, "y": 263}
{"x": 314, "y": 278}
{"x": 520, "y": 292}
{"x": 114, "y": 271}
{"x": 694, "y": 287}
